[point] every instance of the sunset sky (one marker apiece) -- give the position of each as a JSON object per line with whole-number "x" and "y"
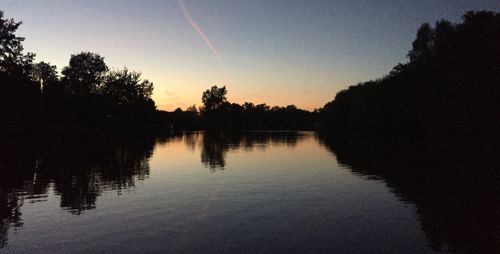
{"x": 277, "y": 52}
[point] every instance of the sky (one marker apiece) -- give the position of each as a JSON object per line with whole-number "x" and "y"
{"x": 264, "y": 51}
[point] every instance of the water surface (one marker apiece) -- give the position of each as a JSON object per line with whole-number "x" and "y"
{"x": 198, "y": 193}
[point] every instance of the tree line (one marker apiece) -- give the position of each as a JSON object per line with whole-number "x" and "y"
{"x": 87, "y": 93}
{"x": 446, "y": 94}
{"x": 217, "y": 113}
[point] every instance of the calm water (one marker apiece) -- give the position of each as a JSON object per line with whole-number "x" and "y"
{"x": 247, "y": 193}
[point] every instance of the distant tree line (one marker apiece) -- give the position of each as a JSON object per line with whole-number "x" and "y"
{"x": 217, "y": 113}
{"x": 446, "y": 94}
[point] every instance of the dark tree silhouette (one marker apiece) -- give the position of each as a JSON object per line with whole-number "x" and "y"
{"x": 220, "y": 114}
{"x": 12, "y": 58}
{"x": 85, "y": 73}
{"x": 19, "y": 95}
{"x": 446, "y": 94}
{"x": 214, "y": 98}
{"x": 44, "y": 73}
{"x": 89, "y": 96}
{"x": 127, "y": 87}
{"x": 422, "y": 44}
{"x": 10, "y": 44}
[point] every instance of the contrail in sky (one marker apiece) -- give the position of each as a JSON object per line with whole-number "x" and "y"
{"x": 202, "y": 35}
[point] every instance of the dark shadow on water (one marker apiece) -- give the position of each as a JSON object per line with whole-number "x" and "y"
{"x": 77, "y": 168}
{"x": 456, "y": 193}
{"x": 215, "y": 145}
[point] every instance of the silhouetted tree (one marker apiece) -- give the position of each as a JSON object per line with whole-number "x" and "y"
{"x": 127, "y": 87}
{"x": 19, "y": 95}
{"x": 422, "y": 44}
{"x": 33, "y": 97}
{"x": 214, "y": 97}
{"x": 85, "y": 73}
{"x": 44, "y": 73}
{"x": 220, "y": 114}
{"x": 12, "y": 58}
{"x": 447, "y": 93}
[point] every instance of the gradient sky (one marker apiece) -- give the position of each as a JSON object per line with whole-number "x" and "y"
{"x": 277, "y": 52}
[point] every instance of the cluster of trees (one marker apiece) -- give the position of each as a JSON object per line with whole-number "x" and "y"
{"x": 217, "y": 113}
{"x": 86, "y": 93}
{"x": 91, "y": 94}
{"x": 446, "y": 93}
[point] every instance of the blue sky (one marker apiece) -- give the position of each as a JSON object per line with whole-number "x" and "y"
{"x": 278, "y": 52}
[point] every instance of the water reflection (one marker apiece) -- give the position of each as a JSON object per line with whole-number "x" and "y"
{"x": 216, "y": 145}
{"x": 457, "y": 193}
{"x": 78, "y": 168}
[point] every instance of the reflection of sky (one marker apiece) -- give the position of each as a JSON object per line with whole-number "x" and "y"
{"x": 278, "y": 52}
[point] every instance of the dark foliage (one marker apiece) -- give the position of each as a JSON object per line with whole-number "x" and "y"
{"x": 219, "y": 114}
{"x": 33, "y": 97}
{"x": 85, "y": 74}
{"x": 430, "y": 130}
{"x": 214, "y": 98}
{"x": 87, "y": 95}
{"x": 448, "y": 93}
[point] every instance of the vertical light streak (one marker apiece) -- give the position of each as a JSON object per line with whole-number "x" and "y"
{"x": 202, "y": 35}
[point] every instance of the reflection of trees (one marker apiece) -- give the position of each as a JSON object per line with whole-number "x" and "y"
{"x": 78, "y": 169}
{"x": 457, "y": 194}
{"x": 214, "y": 150}
{"x": 16, "y": 168}
{"x": 81, "y": 169}
{"x": 215, "y": 145}
{"x": 191, "y": 139}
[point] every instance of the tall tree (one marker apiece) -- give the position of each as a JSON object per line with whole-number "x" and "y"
{"x": 447, "y": 93}
{"x": 85, "y": 73}
{"x": 12, "y": 58}
{"x": 214, "y": 97}
{"x": 422, "y": 44}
